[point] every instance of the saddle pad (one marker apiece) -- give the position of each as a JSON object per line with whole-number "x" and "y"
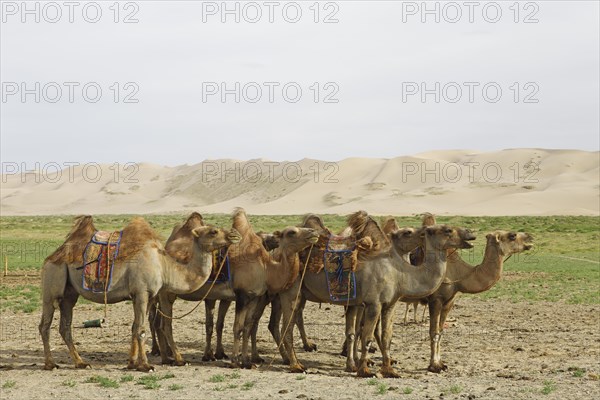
{"x": 225, "y": 274}
{"x": 339, "y": 261}
{"x": 97, "y": 267}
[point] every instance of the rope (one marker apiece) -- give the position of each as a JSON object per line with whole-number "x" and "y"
{"x": 212, "y": 284}
{"x": 107, "y": 275}
{"x": 294, "y": 308}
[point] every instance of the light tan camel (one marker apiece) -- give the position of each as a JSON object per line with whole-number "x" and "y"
{"x": 380, "y": 280}
{"x": 254, "y": 272}
{"x": 462, "y": 277}
{"x": 142, "y": 268}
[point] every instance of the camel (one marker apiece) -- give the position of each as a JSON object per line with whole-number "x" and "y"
{"x": 381, "y": 280}
{"x": 255, "y": 272}
{"x": 142, "y": 269}
{"x": 462, "y": 277}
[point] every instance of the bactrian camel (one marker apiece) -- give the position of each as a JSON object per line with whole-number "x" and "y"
{"x": 462, "y": 277}
{"x": 142, "y": 268}
{"x": 254, "y": 272}
{"x": 380, "y": 281}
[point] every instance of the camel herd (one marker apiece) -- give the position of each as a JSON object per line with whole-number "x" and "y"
{"x": 283, "y": 269}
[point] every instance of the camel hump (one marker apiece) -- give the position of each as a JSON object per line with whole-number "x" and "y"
{"x": 363, "y": 225}
{"x": 136, "y": 235}
{"x": 390, "y": 225}
{"x": 241, "y": 223}
{"x": 427, "y": 219}
{"x": 71, "y": 250}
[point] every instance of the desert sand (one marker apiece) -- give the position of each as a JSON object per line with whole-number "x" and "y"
{"x": 454, "y": 182}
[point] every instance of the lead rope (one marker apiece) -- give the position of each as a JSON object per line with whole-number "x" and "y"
{"x": 212, "y": 284}
{"x": 294, "y": 308}
{"x": 107, "y": 275}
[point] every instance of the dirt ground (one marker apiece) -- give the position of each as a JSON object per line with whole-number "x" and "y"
{"x": 494, "y": 349}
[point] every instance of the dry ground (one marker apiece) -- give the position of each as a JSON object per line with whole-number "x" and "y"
{"x": 494, "y": 349}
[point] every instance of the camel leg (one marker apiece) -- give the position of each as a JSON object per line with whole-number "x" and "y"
{"x": 274, "y": 328}
{"x": 387, "y": 324}
{"x": 415, "y": 308}
{"x": 350, "y": 336}
{"x": 371, "y": 315}
{"x": 209, "y": 307}
{"x": 358, "y": 324}
{"x": 251, "y": 308}
{"x": 223, "y": 308}
{"x": 406, "y": 313}
{"x": 45, "y": 324}
{"x": 166, "y": 302}
{"x": 435, "y": 309}
{"x": 307, "y": 344}
{"x": 288, "y": 308}
{"x": 66, "y": 322}
{"x": 241, "y": 308}
{"x": 154, "y": 319}
{"x": 446, "y": 308}
{"x": 140, "y": 308}
{"x": 377, "y": 337}
{"x": 423, "y": 315}
{"x": 258, "y": 312}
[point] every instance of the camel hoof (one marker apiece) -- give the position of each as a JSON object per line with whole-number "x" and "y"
{"x": 145, "y": 368}
{"x": 82, "y": 365}
{"x": 208, "y": 357}
{"x": 297, "y": 369}
{"x": 131, "y": 366}
{"x": 220, "y": 355}
{"x": 437, "y": 368}
{"x": 257, "y": 359}
{"x": 180, "y": 363}
{"x": 50, "y": 366}
{"x": 351, "y": 368}
{"x": 248, "y": 365}
{"x": 388, "y": 372}
{"x": 364, "y": 373}
{"x": 310, "y": 347}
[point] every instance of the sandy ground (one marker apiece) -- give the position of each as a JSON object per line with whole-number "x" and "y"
{"x": 454, "y": 182}
{"x": 494, "y": 349}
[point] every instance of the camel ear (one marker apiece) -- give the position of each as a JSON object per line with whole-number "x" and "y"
{"x": 492, "y": 236}
{"x": 195, "y": 232}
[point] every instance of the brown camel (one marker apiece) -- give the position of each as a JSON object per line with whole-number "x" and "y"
{"x": 381, "y": 280}
{"x": 254, "y": 273}
{"x": 462, "y": 277}
{"x": 142, "y": 268}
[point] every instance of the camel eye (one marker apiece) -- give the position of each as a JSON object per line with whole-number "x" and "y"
{"x": 512, "y": 236}
{"x": 448, "y": 230}
{"x": 214, "y": 232}
{"x": 407, "y": 233}
{"x": 291, "y": 233}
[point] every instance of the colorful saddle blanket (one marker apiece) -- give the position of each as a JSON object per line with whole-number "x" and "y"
{"x": 339, "y": 260}
{"x": 99, "y": 260}
{"x": 225, "y": 274}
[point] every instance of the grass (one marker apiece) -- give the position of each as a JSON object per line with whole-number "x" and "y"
{"x": 9, "y": 384}
{"x": 127, "y": 378}
{"x": 175, "y": 387}
{"x": 382, "y": 388}
{"x": 247, "y": 385}
{"x": 549, "y": 387}
{"x": 149, "y": 382}
{"x": 300, "y": 377}
{"x": 407, "y": 390}
{"x": 103, "y": 381}
{"x": 69, "y": 383}
{"x": 217, "y": 378}
{"x": 577, "y": 372}
{"x": 563, "y": 267}
{"x": 455, "y": 389}
{"x": 372, "y": 382}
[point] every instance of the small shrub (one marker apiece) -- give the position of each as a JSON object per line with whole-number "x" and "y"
{"x": 9, "y": 384}
{"x": 175, "y": 386}
{"x": 217, "y": 378}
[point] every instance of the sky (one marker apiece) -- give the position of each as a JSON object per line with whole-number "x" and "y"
{"x": 179, "y": 82}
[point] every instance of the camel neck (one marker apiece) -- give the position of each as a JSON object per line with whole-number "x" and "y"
{"x": 185, "y": 278}
{"x": 421, "y": 281}
{"x": 485, "y": 275}
{"x": 282, "y": 269}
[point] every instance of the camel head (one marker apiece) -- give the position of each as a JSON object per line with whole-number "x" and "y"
{"x": 179, "y": 245}
{"x": 210, "y": 238}
{"x": 390, "y": 225}
{"x": 269, "y": 240}
{"x": 510, "y": 242}
{"x": 406, "y": 240}
{"x": 448, "y": 237}
{"x": 296, "y": 239}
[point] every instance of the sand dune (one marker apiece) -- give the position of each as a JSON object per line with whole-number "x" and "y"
{"x": 456, "y": 182}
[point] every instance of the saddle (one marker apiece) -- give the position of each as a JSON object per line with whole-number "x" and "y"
{"x": 99, "y": 259}
{"x": 340, "y": 258}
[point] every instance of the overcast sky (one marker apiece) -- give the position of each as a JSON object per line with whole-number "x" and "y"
{"x": 368, "y": 69}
